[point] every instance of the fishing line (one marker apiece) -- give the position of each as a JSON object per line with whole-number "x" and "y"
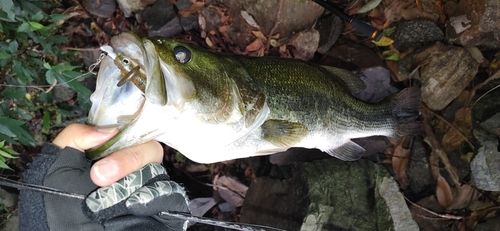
{"x": 184, "y": 216}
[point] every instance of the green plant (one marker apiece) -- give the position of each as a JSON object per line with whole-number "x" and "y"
{"x": 6, "y": 152}
{"x": 32, "y": 61}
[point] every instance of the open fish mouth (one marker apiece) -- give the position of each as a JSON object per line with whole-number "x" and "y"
{"x": 122, "y": 81}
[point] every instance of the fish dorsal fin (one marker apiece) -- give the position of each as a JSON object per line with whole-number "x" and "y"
{"x": 283, "y": 133}
{"x": 349, "y": 151}
{"x": 156, "y": 89}
{"x": 353, "y": 82}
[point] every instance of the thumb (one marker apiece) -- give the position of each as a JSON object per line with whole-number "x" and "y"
{"x": 83, "y": 137}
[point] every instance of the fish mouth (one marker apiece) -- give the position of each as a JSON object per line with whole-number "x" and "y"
{"x": 115, "y": 102}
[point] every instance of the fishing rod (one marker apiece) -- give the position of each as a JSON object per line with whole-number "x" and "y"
{"x": 179, "y": 215}
{"x": 362, "y": 27}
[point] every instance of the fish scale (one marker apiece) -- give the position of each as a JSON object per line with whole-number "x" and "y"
{"x": 215, "y": 107}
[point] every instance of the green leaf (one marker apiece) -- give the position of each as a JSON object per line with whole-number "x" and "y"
{"x": 36, "y": 26}
{"x": 24, "y": 27}
{"x": 47, "y": 65}
{"x": 51, "y": 76}
{"x": 61, "y": 67}
{"x": 7, "y": 10}
{"x": 5, "y": 130}
{"x": 13, "y": 46}
{"x": 56, "y": 17}
{"x": 58, "y": 118}
{"x": 37, "y": 17}
{"x": 4, "y": 55}
{"x": 10, "y": 151}
{"x": 2, "y": 143}
{"x": 392, "y": 55}
{"x": 6, "y": 154}
{"x": 4, "y": 165}
{"x": 14, "y": 92}
{"x": 46, "y": 121}
{"x": 14, "y": 127}
{"x": 47, "y": 97}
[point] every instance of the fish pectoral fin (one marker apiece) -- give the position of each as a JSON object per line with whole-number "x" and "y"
{"x": 282, "y": 133}
{"x": 349, "y": 151}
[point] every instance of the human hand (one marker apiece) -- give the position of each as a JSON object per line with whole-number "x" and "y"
{"x": 115, "y": 166}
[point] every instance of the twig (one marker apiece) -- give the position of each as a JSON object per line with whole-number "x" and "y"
{"x": 447, "y": 216}
{"x": 473, "y": 92}
{"x": 278, "y": 18}
{"x": 449, "y": 124}
{"x": 436, "y": 147}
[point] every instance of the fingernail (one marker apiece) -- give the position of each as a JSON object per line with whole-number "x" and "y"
{"x": 107, "y": 129}
{"x": 105, "y": 170}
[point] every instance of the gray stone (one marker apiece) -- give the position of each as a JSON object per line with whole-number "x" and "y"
{"x": 7, "y": 199}
{"x": 485, "y": 165}
{"x": 132, "y": 6}
{"x": 161, "y": 19}
{"x": 12, "y": 224}
{"x": 329, "y": 194}
{"x": 419, "y": 172}
{"x": 190, "y": 22}
{"x": 484, "y": 24}
{"x": 62, "y": 93}
{"x": 305, "y": 43}
{"x": 329, "y": 30}
{"x": 351, "y": 56}
{"x": 444, "y": 72}
{"x": 378, "y": 84}
{"x": 410, "y": 34}
{"x": 492, "y": 224}
{"x": 101, "y": 8}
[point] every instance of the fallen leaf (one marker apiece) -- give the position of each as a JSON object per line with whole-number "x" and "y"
{"x": 192, "y": 9}
{"x": 400, "y": 159}
{"x": 392, "y": 55}
{"x": 231, "y": 191}
{"x": 405, "y": 9}
{"x": 249, "y": 19}
{"x": 443, "y": 192}
{"x": 370, "y": 5}
{"x": 461, "y": 129}
{"x": 209, "y": 42}
{"x": 258, "y": 34}
{"x": 383, "y": 42}
{"x": 465, "y": 196}
{"x": 476, "y": 54}
{"x": 254, "y": 46}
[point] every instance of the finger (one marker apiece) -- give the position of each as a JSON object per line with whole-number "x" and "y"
{"x": 83, "y": 137}
{"x": 123, "y": 162}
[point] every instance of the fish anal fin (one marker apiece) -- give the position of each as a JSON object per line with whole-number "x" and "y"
{"x": 349, "y": 151}
{"x": 282, "y": 133}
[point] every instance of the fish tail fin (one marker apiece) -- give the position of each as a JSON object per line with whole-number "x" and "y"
{"x": 406, "y": 111}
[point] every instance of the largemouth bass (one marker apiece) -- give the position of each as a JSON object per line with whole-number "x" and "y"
{"x": 214, "y": 107}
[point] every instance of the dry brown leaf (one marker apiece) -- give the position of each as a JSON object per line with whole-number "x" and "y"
{"x": 405, "y": 9}
{"x": 258, "y": 34}
{"x": 400, "y": 159}
{"x": 209, "y": 42}
{"x": 231, "y": 190}
{"x": 465, "y": 196}
{"x": 192, "y": 9}
{"x": 443, "y": 192}
{"x": 249, "y": 19}
{"x": 254, "y": 46}
{"x": 460, "y": 131}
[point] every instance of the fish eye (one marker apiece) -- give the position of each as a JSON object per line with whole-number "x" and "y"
{"x": 125, "y": 61}
{"x": 182, "y": 54}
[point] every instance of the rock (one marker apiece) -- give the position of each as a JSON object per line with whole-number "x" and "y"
{"x": 484, "y": 27}
{"x": 487, "y": 160}
{"x": 378, "y": 84}
{"x": 62, "y": 93}
{"x": 419, "y": 172}
{"x": 101, "y": 8}
{"x": 12, "y": 223}
{"x": 410, "y": 34}
{"x": 329, "y": 30}
{"x": 329, "y": 194}
{"x": 296, "y": 15}
{"x": 161, "y": 19}
{"x": 351, "y": 56}
{"x": 444, "y": 72}
{"x": 492, "y": 224}
{"x": 7, "y": 199}
{"x": 130, "y": 6}
{"x": 190, "y": 22}
{"x": 305, "y": 43}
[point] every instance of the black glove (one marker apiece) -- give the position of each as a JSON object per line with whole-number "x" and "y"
{"x": 130, "y": 204}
